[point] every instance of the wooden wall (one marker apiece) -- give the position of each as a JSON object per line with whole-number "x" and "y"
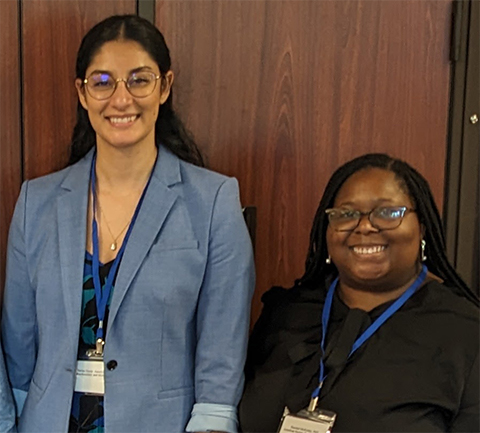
{"x": 280, "y": 93}
{"x": 277, "y": 93}
{"x": 10, "y": 122}
{"x": 51, "y": 34}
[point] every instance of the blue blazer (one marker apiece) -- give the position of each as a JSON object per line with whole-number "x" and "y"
{"x": 179, "y": 315}
{"x": 7, "y": 410}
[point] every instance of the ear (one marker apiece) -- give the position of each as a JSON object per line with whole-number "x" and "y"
{"x": 423, "y": 230}
{"x": 165, "y": 86}
{"x": 81, "y": 93}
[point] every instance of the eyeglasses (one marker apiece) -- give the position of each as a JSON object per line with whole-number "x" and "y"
{"x": 101, "y": 85}
{"x": 382, "y": 218}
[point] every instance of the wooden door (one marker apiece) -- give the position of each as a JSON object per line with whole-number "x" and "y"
{"x": 10, "y": 122}
{"x": 280, "y": 93}
{"x": 51, "y": 34}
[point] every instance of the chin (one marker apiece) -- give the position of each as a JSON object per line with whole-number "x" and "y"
{"x": 376, "y": 278}
{"x": 373, "y": 272}
{"x": 123, "y": 142}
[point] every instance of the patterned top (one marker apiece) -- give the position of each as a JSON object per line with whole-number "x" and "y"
{"x": 87, "y": 410}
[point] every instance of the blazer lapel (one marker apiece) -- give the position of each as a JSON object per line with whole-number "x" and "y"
{"x": 71, "y": 216}
{"x": 157, "y": 203}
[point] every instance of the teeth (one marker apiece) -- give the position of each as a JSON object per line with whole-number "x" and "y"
{"x": 368, "y": 250}
{"x": 122, "y": 119}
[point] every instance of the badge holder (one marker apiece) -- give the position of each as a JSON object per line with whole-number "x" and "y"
{"x": 310, "y": 420}
{"x": 90, "y": 372}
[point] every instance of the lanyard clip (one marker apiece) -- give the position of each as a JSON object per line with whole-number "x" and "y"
{"x": 99, "y": 347}
{"x": 98, "y": 351}
{"x": 315, "y": 396}
{"x": 313, "y": 404}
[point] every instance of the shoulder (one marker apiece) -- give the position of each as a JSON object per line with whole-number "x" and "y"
{"x": 442, "y": 318}
{"x": 38, "y": 197}
{"x": 289, "y": 317}
{"x": 206, "y": 186}
{"x": 201, "y": 176}
{"x": 292, "y": 301}
{"x": 47, "y": 183}
{"x": 39, "y": 194}
{"x": 436, "y": 297}
{"x": 293, "y": 311}
{"x": 197, "y": 185}
{"x": 43, "y": 187}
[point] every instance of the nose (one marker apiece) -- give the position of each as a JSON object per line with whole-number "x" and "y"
{"x": 364, "y": 225}
{"x": 121, "y": 96}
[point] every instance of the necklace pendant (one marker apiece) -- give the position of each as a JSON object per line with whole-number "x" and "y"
{"x": 113, "y": 247}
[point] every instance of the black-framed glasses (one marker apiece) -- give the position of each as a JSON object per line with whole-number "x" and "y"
{"x": 382, "y": 218}
{"x": 101, "y": 85}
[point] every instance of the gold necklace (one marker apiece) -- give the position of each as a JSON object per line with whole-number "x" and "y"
{"x": 113, "y": 245}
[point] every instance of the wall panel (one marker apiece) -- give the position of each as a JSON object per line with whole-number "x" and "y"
{"x": 10, "y": 120}
{"x": 280, "y": 93}
{"x": 52, "y": 31}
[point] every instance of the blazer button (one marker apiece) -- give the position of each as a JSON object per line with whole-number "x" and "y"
{"x": 112, "y": 365}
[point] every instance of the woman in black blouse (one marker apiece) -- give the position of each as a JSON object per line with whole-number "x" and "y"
{"x": 377, "y": 255}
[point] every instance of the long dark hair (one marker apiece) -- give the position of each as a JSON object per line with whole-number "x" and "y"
{"x": 417, "y": 188}
{"x": 169, "y": 130}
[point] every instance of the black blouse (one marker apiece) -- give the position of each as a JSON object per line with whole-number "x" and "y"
{"x": 418, "y": 373}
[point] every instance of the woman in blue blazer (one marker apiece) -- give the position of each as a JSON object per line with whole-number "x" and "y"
{"x": 130, "y": 272}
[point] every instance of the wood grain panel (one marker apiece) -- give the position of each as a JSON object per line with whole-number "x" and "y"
{"x": 10, "y": 141}
{"x": 52, "y": 31}
{"x": 280, "y": 93}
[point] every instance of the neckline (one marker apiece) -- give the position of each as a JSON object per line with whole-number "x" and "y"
{"x": 340, "y": 309}
{"x": 89, "y": 256}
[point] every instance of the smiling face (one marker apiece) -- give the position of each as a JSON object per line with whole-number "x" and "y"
{"x": 124, "y": 120}
{"x": 367, "y": 258}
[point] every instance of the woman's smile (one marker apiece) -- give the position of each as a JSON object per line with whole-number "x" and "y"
{"x": 368, "y": 250}
{"x": 124, "y": 121}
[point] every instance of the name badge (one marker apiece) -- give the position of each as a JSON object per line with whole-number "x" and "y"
{"x": 90, "y": 377}
{"x": 319, "y": 421}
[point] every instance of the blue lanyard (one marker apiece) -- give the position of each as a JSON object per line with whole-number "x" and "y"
{"x": 371, "y": 329}
{"x": 102, "y": 296}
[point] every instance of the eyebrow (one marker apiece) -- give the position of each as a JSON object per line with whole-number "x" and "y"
{"x": 377, "y": 202}
{"x": 132, "y": 71}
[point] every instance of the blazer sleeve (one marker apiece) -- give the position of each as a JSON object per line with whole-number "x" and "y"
{"x": 223, "y": 313}
{"x": 19, "y": 317}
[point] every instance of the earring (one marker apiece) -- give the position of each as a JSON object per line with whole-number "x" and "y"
{"x": 328, "y": 260}
{"x": 423, "y": 246}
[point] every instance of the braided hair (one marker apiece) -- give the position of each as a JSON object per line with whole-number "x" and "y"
{"x": 417, "y": 188}
{"x": 169, "y": 130}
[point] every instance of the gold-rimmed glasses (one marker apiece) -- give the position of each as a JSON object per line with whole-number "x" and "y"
{"x": 101, "y": 85}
